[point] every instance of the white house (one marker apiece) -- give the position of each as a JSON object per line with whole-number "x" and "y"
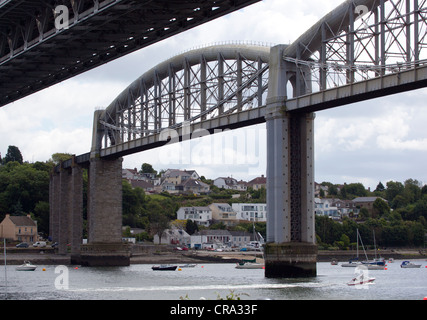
{"x": 201, "y": 215}
{"x": 251, "y": 211}
{"x": 212, "y": 239}
{"x": 326, "y": 207}
{"x": 230, "y": 184}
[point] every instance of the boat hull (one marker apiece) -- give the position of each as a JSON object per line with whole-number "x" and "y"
{"x": 250, "y": 266}
{"x": 361, "y": 282}
{"x": 164, "y": 268}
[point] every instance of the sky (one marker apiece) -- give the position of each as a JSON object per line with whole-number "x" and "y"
{"x": 377, "y": 140}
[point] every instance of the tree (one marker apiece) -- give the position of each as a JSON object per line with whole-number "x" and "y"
{"x": 13, "y": 154}
{"x": 158, "y": 224}
{"x": 380, "y": 187}
{"x": 380, "y": 207}
{"x": 191, "y": 227}
{"x": 147, "y": 168}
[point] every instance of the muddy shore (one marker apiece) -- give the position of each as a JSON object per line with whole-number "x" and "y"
{"x": 48, "y": 257}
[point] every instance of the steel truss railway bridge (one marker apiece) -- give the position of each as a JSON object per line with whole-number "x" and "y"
{"x": 363, "y": 49}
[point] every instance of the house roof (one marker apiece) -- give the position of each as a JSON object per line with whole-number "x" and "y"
{"x": 218, "y": 232}
{"x": 367, "y": 199}
{"x": 141, "y": 184}
{"x": 259, "y": 180}
{"x": 22, "y": 221}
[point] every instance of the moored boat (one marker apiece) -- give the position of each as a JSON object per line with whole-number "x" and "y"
{"x": 26, "y": 266}
{"x": 164, "y": 267}
{"x": 408, "y": 264}
{"x": 250, "y": 265}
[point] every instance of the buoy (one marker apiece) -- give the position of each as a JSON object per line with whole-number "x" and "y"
{"x": 425, "y": 298}
{"x": 179, "y": 269}
{"x": 76, "y": 268}
{"x": 44, "y": 269}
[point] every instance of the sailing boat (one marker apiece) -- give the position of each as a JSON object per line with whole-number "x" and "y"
{"x": 377, "y": 263}
{"x": 355, "y": 261}
{"x": 251, "y": 264}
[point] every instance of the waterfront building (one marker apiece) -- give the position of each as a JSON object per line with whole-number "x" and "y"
{"x": 201, "y": 215}
{"x": 251, "y": 211}
{"x": 19, "y": 228}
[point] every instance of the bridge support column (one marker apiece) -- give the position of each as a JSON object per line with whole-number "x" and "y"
{"x": 105, "y": 247}
{"x": 290, "y": 250}
{"x": 66, "y": 209}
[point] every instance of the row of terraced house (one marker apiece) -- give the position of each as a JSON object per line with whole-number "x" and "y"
{"x": 177, "y": 181}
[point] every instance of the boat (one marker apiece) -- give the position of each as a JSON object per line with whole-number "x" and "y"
{"x": 188, "y": 265}
{"x": 407, "y": 264}
{"x": 27, "y": 266}
{"x": 376, "y": 263}
{"x": 352, "y": 263}
{"x": 251, "y": 263}
{"x": 360, "y": 280}
{"x": 334, "y": 262}
{"x": 375, "y": 266}
{"x": 164, "y": 267}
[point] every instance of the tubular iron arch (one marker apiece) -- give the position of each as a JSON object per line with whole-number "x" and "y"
{"x": 361, "y": 40}
{"x": 193, "y": 87}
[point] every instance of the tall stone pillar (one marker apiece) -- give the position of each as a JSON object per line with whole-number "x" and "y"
{"x": 290, "y": 250}
{"x": 66, "y": 208}
{"x": 105, "y": 247}
{"x": 76, "y": 211}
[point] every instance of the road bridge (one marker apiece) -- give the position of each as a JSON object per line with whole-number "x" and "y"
{"x": 361, "y": 50}
{"x": 45, "y": 42}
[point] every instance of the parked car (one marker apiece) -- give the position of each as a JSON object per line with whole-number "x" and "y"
{"x": 22, "y": 245}
{"x": 40, "y": 244}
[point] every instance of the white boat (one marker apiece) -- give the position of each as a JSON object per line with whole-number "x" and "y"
{"x": 360, "y": 279}
{"x": 375, "y": 266}
{"x": 27, "y": 266}
{"x": 407, "y": 264}
{"x": 250, "y": 265}
{"x": 351, "y": 264}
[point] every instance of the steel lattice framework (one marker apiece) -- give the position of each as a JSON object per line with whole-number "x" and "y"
{"x": 193, "y": 88}
{"x": 43, "y": 42}
{"x": 359, "y": 41}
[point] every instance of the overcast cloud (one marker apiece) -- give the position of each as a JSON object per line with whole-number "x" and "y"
{"x": 378, "y": 140}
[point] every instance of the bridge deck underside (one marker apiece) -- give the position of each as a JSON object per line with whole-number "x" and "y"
{"x": 34, "y": 54}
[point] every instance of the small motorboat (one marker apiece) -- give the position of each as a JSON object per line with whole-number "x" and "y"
{"x": 334, "y": 262}
{"x": 407, "y": 264}
{"x": 250, "y": 265}
{"x": 27, "y": 266}
{"x": 164, "y": 267}
{"x": 360, "y": 280}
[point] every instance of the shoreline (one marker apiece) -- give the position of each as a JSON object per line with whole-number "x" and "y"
{"x": 172, "y": 257}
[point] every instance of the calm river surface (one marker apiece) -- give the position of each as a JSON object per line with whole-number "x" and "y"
{"x": 208, "y": 281}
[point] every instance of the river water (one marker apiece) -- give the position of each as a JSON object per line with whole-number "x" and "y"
{"x": 209, "y": 281}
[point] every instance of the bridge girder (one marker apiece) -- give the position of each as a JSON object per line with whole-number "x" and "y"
{"x": 359, "y": 41}
{"x": 35, "y": 53}
{"x": 215, "y": 82}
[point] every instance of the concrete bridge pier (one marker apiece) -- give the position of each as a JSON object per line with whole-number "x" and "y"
{"x": 290, "y": 250}
{"x": 105, "y": 247}
{"x": 66, "y": 209}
